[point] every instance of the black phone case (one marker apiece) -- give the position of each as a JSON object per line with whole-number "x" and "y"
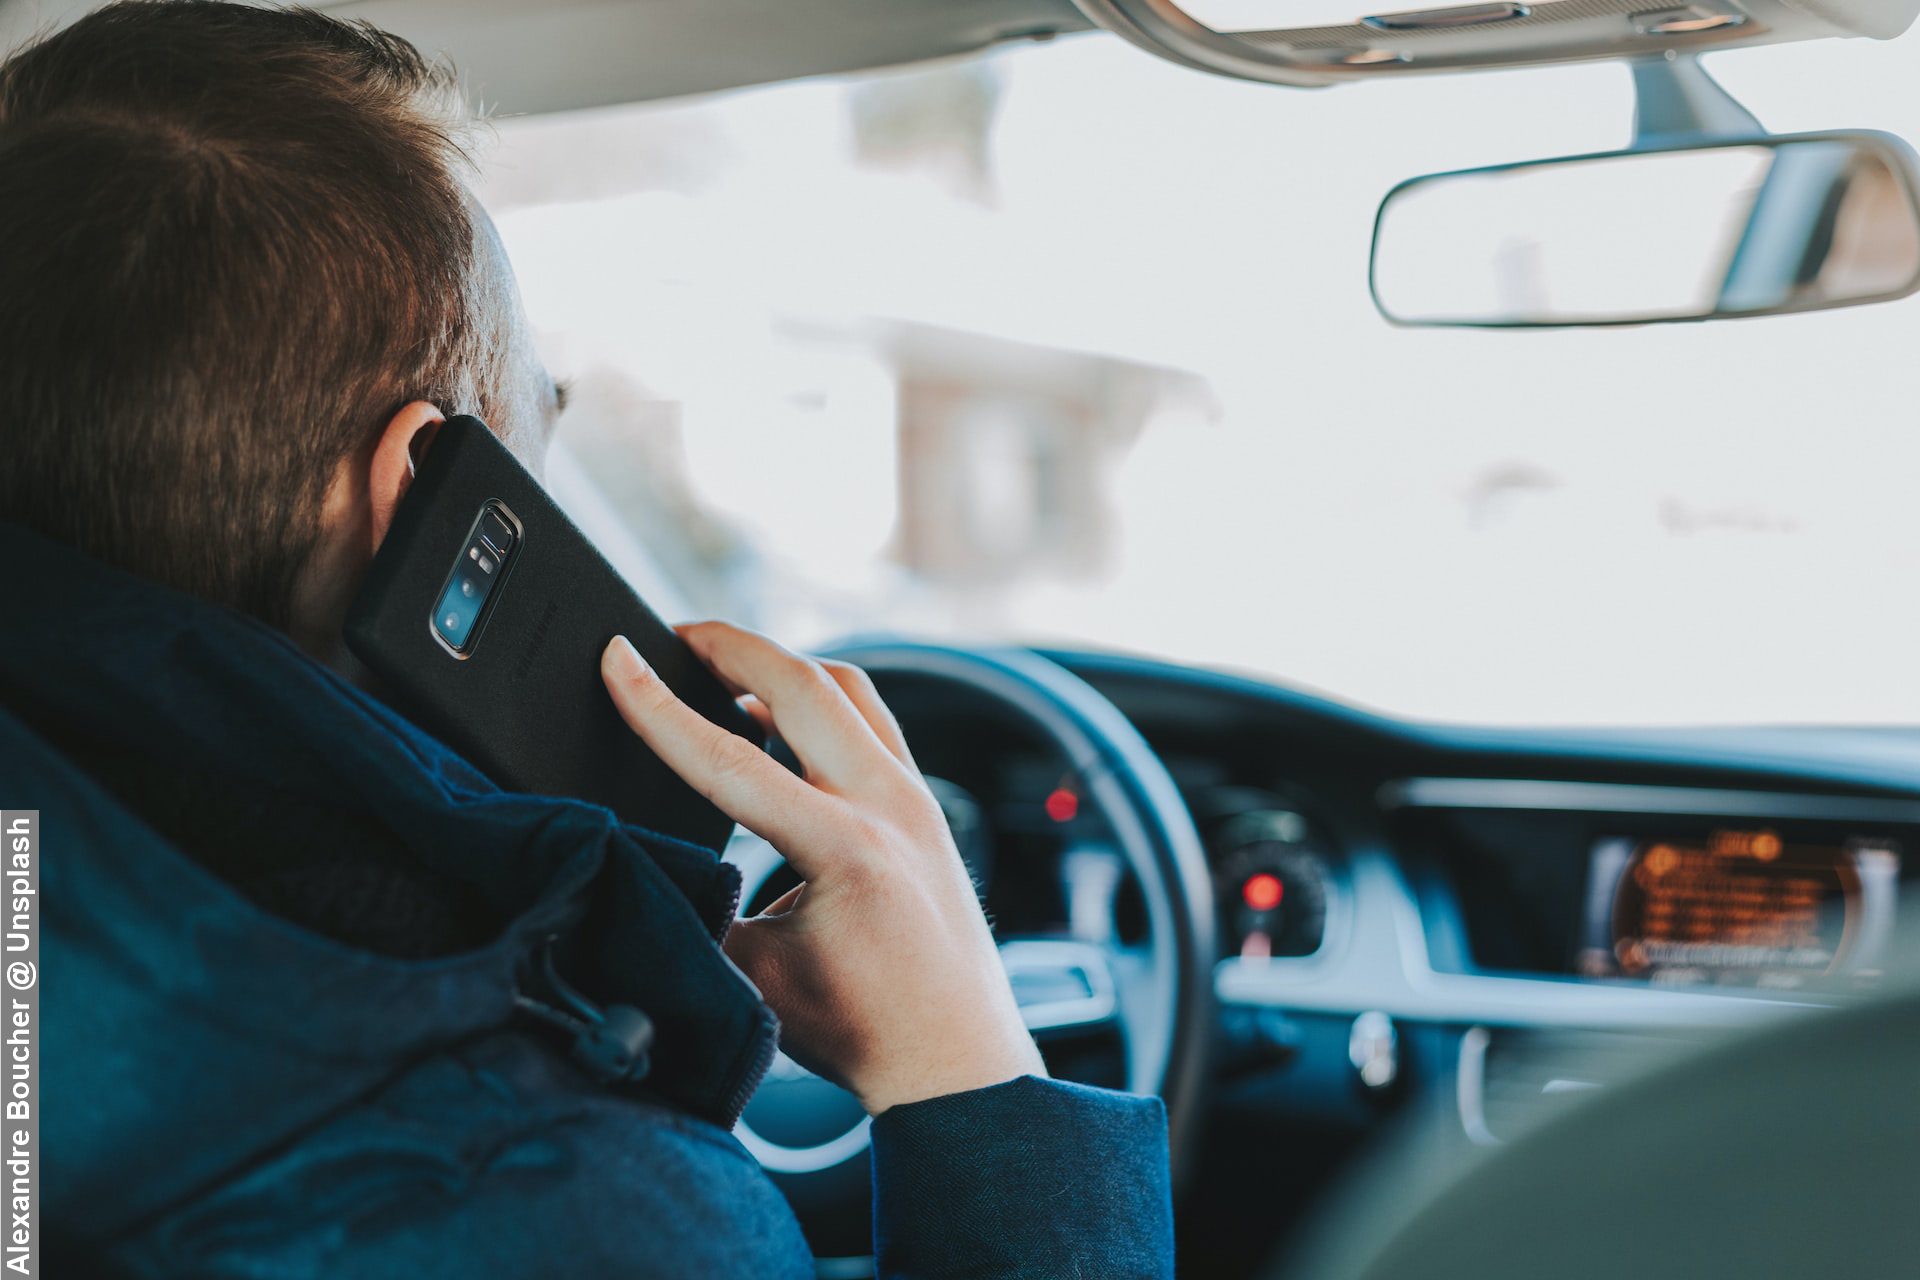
{"x": 526, "y": 703}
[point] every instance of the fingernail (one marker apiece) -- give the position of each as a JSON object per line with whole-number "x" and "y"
{"x": 621, "y": 659}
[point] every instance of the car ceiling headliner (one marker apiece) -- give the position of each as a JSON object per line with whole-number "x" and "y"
{"x": 532, "y": 56}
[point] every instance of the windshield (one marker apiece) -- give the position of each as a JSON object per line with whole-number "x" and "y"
{"x": 1064, "y": 344}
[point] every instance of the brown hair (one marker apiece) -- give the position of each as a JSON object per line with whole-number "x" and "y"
{"x": 233, "y": 241}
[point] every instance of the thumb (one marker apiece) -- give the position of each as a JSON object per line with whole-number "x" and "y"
{"x": 756, "y": 947}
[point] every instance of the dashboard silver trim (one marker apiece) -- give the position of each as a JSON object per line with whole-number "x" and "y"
{"x": 1044, "y": 955}
{"x": 1470, "y": 1087}
{"x": 1608, "y": 797}
{"x": 1384, "y": 964}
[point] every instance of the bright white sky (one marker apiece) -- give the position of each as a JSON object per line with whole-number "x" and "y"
{"x": 1722, "y": 522}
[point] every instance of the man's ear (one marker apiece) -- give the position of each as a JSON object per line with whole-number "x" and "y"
{"x": 401, "y": 446}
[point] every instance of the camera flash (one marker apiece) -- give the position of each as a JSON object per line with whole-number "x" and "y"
{"x": 486, "y": 564}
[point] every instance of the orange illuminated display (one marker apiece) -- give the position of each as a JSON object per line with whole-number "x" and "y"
{"x": 1764, "y": 845}
{"x": 1735, "y": 901}
{"x": 1263, "y": 892}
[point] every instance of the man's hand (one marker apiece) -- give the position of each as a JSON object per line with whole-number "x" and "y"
{"x": 880, "y": 966}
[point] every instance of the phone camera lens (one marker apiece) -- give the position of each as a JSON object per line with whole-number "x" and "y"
{"x": 467, "y": 588}
{"x": 496, "y": 533}
{"x": 451, "y": 622}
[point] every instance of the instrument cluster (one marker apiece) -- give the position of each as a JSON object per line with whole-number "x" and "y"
{"x": 1276, "y": 876}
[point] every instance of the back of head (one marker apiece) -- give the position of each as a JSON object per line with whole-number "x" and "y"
{"x": 233, "y": 241}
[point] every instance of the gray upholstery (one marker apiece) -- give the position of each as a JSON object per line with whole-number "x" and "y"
{"x": 1794, "y": 1151}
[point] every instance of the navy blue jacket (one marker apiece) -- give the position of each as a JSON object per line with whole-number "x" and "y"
{"x": 294, "y": 1023}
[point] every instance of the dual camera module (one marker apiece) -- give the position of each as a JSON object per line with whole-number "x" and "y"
{"x": 476, "y": 576}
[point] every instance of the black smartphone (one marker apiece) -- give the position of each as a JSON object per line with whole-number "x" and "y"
{"x": 485, "y": 613}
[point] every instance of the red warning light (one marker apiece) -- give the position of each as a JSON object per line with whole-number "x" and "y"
{"x": 1263, "y": 892}
{"x": 1062, "y": 805}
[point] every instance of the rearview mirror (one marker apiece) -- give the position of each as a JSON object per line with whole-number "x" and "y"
{"x": 1747, "y": 227}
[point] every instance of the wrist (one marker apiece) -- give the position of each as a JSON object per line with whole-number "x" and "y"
{"x": 947, "y": 1079}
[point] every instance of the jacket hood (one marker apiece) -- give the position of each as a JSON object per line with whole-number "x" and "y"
{"x": 186, "y": 1027}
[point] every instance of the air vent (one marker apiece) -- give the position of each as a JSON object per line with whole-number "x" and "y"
{"x": 1512, "y": 1081}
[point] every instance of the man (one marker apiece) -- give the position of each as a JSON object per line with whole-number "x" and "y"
{"x": 319, "y": 996}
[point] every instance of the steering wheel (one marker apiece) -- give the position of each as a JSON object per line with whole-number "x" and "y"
{"x": 1156, "y": 994}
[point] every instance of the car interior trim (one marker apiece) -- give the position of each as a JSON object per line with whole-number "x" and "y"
{"x": 1384, "y": 965}
{"x": 1607, "y": 797}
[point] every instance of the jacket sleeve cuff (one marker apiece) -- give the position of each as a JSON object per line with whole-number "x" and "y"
{"x": 1030, "y": 1177}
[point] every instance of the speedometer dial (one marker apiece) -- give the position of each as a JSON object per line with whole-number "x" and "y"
{"x": 1272, "y": 886}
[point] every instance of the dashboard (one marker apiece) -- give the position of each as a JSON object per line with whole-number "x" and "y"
{"x": 1743, "y": 899}
{"x": 1632, "y": 873}
{"x": 1676, "y": 887}
{"x": 1468, "y": 926}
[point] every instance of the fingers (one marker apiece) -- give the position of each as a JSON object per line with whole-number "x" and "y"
{"x": 758, "y": 710}
{"x": 749, "y": 785}
{"x": 858, "y": 687}
{"x": 764, "y": 951}
{"x": 853, "y": 682}
{"x": 835, "y": 742}
{"x": 755, "y": 949}
{"x": 784, "y": 903}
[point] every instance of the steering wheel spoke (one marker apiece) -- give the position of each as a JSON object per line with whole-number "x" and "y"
{"x": 1060, "y": 984}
